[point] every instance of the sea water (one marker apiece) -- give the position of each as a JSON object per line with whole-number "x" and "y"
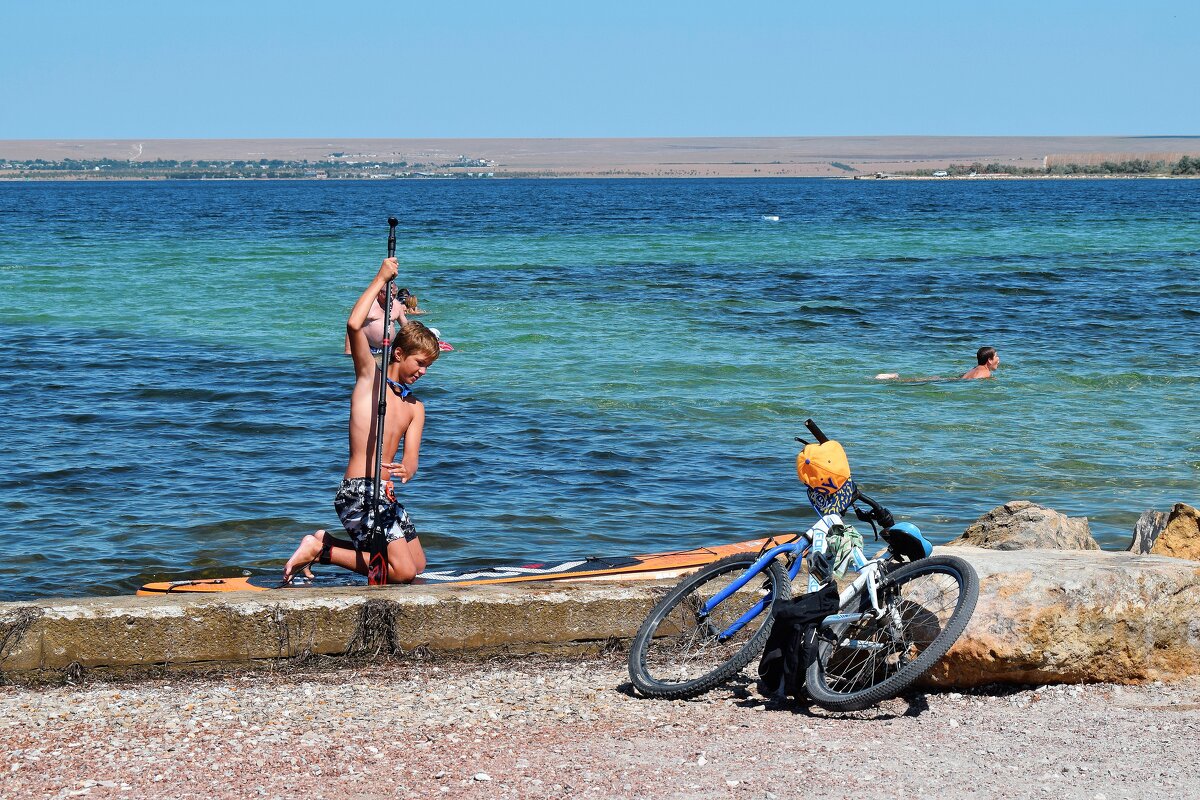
{"x": 632, "y": 362}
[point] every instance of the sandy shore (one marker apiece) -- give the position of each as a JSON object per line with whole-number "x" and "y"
{"x": 553, "y": 729}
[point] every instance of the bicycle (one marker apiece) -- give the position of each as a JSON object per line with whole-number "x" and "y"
{"x": 902, "y": 613}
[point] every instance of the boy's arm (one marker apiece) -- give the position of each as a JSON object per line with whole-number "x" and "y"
{"x": 360, "y": 348}
{"x": 406, "y": 468}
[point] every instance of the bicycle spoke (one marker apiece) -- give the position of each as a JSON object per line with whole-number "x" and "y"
{"x": 695, "y": 647}
{"x": 688, "y": 647}
{"x": 866, "y": 653}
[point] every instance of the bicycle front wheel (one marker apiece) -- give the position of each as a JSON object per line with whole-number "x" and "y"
{"x": 926, "y": 605}
{"x": 683, "y": 651}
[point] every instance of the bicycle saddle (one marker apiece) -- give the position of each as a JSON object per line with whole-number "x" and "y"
{"x": 905, "y": 540}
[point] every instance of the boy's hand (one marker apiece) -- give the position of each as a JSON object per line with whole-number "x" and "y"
{"x": 388, "y": 270}
{"x": 397, "y": 470}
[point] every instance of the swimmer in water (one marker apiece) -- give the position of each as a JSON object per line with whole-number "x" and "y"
{"x": 987, "y": 361}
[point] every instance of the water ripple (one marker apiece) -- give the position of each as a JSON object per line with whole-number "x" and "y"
{"x": 632, "y": 360}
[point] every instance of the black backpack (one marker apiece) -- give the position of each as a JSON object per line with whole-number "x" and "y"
{"x": 785, "y": 658}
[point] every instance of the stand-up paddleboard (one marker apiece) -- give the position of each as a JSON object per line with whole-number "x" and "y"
{"x": 671, "y": 564}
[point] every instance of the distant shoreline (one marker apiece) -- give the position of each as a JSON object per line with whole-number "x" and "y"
{"x": 474, "y": 159}
{"x": 7, "y": 179}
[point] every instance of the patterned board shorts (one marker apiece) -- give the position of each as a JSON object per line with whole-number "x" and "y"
{"x": 353, "y": 501}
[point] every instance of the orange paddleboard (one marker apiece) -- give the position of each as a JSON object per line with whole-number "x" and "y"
{"x": 652, "y": 566}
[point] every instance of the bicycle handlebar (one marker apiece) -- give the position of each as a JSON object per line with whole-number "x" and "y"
{"x": 878, "y": 513}
{"x": 812, "y": 427}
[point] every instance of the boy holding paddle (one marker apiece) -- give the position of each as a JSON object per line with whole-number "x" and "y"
{"x": 415, "y": 349}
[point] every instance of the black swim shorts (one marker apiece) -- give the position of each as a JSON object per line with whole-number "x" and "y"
{"x": 353, "y": 502}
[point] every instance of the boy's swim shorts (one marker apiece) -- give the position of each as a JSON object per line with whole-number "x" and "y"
{"x": 353, "y": 502}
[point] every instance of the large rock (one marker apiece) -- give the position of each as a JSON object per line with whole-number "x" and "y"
{"x": 1021, "y": 525}
{"x": 1049, "y": 616}
{"x": 1175, "y": 534}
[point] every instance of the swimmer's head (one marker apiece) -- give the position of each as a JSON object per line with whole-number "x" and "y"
{"x": 986, "y": 354}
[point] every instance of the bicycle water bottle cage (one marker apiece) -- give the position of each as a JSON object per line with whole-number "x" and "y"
{"x": 906, "y": 542}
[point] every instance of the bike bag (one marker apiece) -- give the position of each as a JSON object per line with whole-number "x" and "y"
{"x": 785, "y": 658}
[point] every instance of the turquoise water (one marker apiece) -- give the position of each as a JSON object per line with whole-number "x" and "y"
{"x": 632, "y": 361}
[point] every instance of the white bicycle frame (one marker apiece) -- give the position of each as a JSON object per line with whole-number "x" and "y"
{"x": 814, "y": 538}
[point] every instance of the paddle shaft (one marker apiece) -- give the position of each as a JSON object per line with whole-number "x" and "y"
{"x": 377, "y": 566}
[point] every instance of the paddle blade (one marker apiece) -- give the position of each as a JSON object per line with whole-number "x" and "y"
{"x": 377, "y": 569}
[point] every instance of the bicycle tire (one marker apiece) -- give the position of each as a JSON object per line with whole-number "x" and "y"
{"x": 676, "y": 654}
{"x": 859, "y": 664}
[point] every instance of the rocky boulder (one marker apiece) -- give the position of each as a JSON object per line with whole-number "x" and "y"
{"x": 1175, "y": 534}
{"x": 1049, "y": 616}
{"x": 1021, "y": 525}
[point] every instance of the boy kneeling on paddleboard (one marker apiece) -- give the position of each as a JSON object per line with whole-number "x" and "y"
{"x": 416, "y": 348}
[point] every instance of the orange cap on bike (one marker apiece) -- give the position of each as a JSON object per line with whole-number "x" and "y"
{"x": 823, "y": 466}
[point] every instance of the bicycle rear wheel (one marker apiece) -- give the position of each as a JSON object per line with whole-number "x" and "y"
{"x": 926, "y": 604}
{"x": 681, "y": 651}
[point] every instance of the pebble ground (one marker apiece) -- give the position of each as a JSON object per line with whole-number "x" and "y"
{"x": 543, "y": 728}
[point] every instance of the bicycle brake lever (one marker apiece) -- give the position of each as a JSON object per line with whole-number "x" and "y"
{"x": 869, "y": 517}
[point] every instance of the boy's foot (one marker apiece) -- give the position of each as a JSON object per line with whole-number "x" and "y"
{"x": 312, "y": 548}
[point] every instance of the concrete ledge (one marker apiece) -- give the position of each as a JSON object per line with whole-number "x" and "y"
{"x": 1043, "y": 616}
{"x": 246, "y": 626}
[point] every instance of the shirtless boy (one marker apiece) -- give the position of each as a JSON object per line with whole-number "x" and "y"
{"x": 986, "y": 357}
{"x": 988, "y": 360}
{"x": 416, "y": 348}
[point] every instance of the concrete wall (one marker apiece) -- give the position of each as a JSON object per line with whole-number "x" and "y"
{"x": 1043, "y": 616}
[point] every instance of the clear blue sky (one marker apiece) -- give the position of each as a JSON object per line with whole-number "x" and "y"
{"x": 261, "y": 68}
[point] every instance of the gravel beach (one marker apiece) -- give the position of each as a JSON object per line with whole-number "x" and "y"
{"x": 546, "y": 728}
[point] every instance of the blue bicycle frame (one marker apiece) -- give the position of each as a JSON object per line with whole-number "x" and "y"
{"x": 797, "y": 549}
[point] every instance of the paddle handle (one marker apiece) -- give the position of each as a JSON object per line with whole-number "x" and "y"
{"x": 377, "y": 565}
